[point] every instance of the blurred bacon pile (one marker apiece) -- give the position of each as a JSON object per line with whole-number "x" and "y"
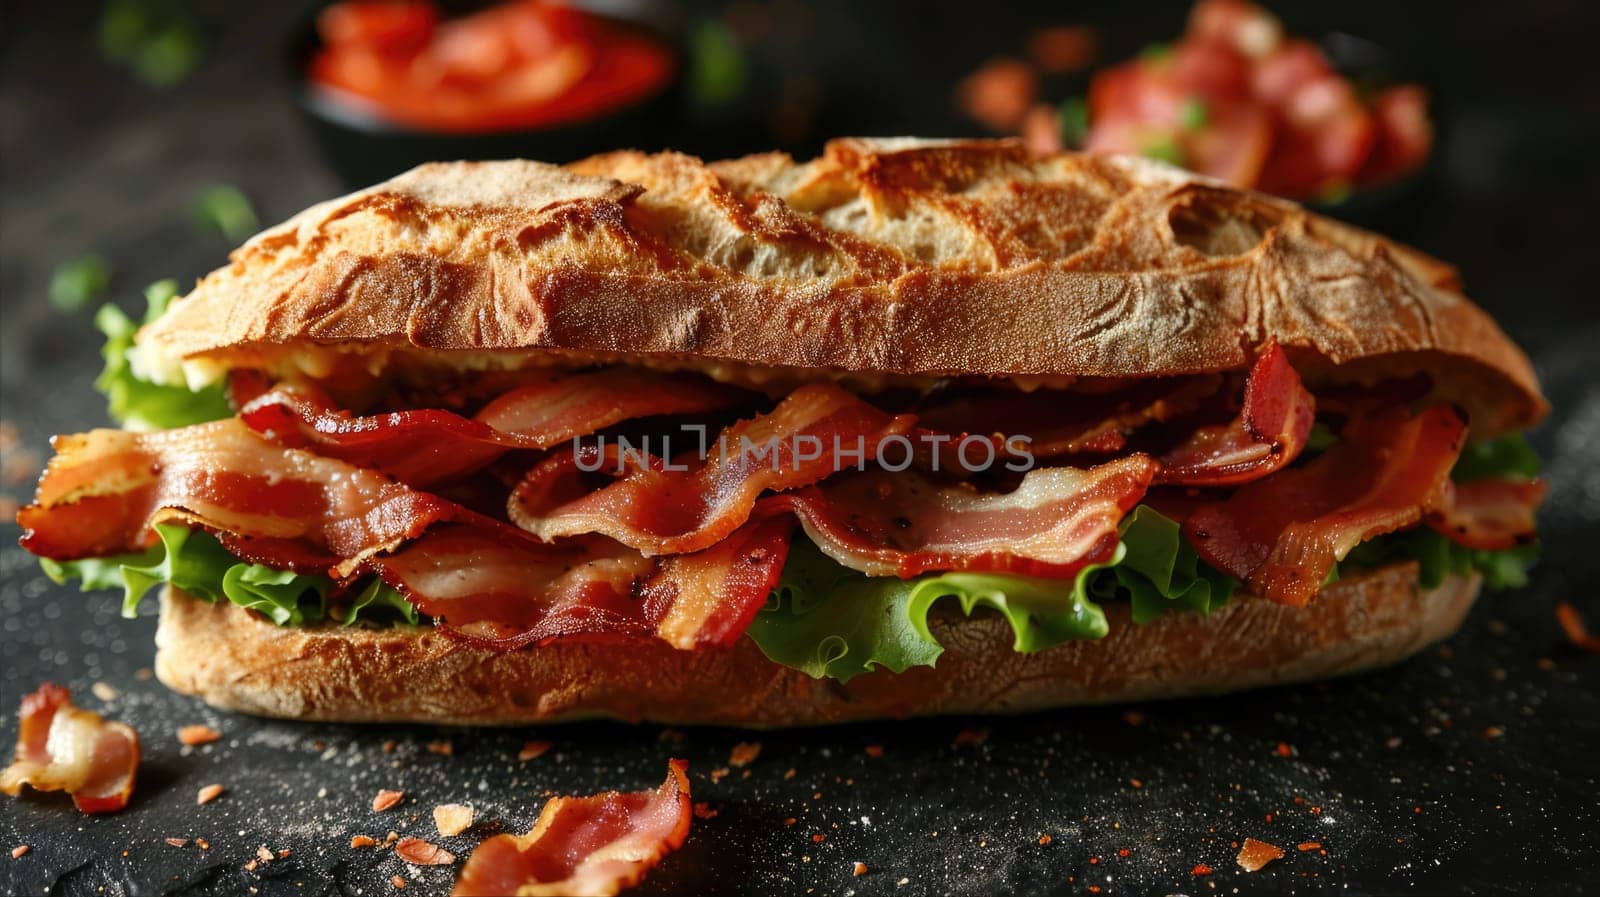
{"x": 1233, "y": 98}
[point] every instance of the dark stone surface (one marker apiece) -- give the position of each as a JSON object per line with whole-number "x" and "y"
{"x": 1394, "y": 773}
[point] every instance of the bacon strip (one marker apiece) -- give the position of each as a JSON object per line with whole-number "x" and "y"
{"x": 63, "y": 748}
{"x": 425, "y": 447}
{"x": 1058, "y": 423}
{"x": 1283, "y": 534}
{"x": 680, "y": 508}
{"x": 1488, "y": 514}
{"x": 1269, "y": 432}
{"x": 499, "y": 588}
{"x": 584, "y": 846}
{"x": 1056, "y": 522}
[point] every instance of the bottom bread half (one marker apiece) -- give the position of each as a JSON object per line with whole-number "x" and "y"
{"x": 237, "y": 661}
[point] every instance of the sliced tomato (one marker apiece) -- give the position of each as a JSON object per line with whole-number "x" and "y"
{"x": 1293, "y": 65}
{"x": 381, "y": 26}
{"x": 1327, "y": 137}
{"x": 1233, "y": 145}
{"x": 1243, "y": 26}
{"x": 1404, "y": 133}
{"x": 1210, "y": 68}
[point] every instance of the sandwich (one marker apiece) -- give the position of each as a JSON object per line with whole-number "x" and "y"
{"x": 915, "y": 427}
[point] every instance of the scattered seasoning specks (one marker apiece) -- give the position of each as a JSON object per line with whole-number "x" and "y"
{"x": 197, "y": 735}
{"x": 744, "y": 753}
{"x": 1256, "y": 854}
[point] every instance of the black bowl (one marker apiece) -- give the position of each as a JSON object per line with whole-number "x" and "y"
{"x": 363, "y": 149}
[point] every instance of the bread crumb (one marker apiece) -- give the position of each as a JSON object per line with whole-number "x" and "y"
{"x": 20, "y": 851}
{"x": 388, "y": 746}
{"x": 391, "y": 838}
{"x": 1304, "y": 846}
{"x": 533, "y": 750}
{"x": 208, "y": 794}
{"x": 1045, "y": 839}
{"x": 421, "y": 853}
{"x": 744, "y": 753}
{"x": 251, "y": 866}
{"x": 105, "y": 691}
{"x": 362, "y": 841}
{"x": 1256, "y": 854}
{"x": 452, "y": 819}
{"x": 202, "y": 843}
{"x": 398, "y": 882}
{"x": 195, "y": 735}
{"x": 386, "y": 799}
{"x": 859, "y": 869}
{"x": 818, "y": 838}
{"x": 1200, "y": 869}
{"x": 263, "y": 854}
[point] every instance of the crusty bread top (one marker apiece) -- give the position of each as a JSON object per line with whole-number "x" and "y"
{"x": 882, "y": 256}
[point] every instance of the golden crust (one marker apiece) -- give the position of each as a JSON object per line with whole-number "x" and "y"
{"x": 891, "y": 257}
{"x": 237, "y": 662}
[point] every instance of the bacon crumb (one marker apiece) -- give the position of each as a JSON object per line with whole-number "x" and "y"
{"x": 176, "y": 842}
{"x": 818, "y": 838}
{"x": 1094, "y": 889}
{"x": 1304, "y": 846}
{"x": 533, "y": 750}
{"x": 388, "y": 746}
{"x": 362, "y": 841}
{"x": 1256, "y": 854}
{"x": 452, "y": 819}
{"x": 283, "y": 853}
{"x": 702, "y": 810}
{"x": 1045, "y": 839}
{"x": 718, "y": 774}
{"x": 789, "y": 774}
{"x": 441, "y": 747}
{"x": 790, "y": 821}
{"x": 874, "y": 751}
{"x": 196, "y": 735}
{"x": 1494, "y": 732}
{"x": 105, "y": 691}
{"x": 744, "y": 753}
{"x": 859, "y": 869}
{"x": 398, "y": 882}
{"x": 422, "y": 853}
{"x": 1284, "y": 750}
{"x": 1200, "y": 869}
{"x": 1576, "y": 631}
{"x": 970, "y": 736}
{"x": 391, "y": 838}
{"x": 1136, "y": 783}
{"x": 1133, "y": 717}
{"x": 208, "y": 794}
{"x": 1123, "y": 852}
{"x": 202, "y": 843}
{"x": 386, "y": 799}
{"x": 21, "y": 850}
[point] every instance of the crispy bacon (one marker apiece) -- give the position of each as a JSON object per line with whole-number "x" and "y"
{"x": 1058, "y": 423}
{"x": 1057, "y": 521}
{"x": 286, "y": 508}
{"x": 499, "y": 588}
{"x": 1269, "y": 432}
{"x": 596, "y": 845}
{"x": 61, "y": 747}
{"x": 428, "y": 446}
{"x": 1488, "y": 514}
{"x": 1283, "y": 534}
{"x": 685, "y": 507}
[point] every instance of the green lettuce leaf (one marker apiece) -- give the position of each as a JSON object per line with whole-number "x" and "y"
{"x": 1159, "y": 572}
{"x": 194, "y": 561}
{"x": 1438, "y": 557}
{"x": 826, "y": 620}
{"x": 1508, "y": 457}
{"x": 139, "y": 404}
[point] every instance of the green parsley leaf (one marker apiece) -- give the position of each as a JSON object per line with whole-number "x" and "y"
{"x": 77, "y": 283}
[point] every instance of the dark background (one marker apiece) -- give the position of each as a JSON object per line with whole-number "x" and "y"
{"x": 1400, "y": 775}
